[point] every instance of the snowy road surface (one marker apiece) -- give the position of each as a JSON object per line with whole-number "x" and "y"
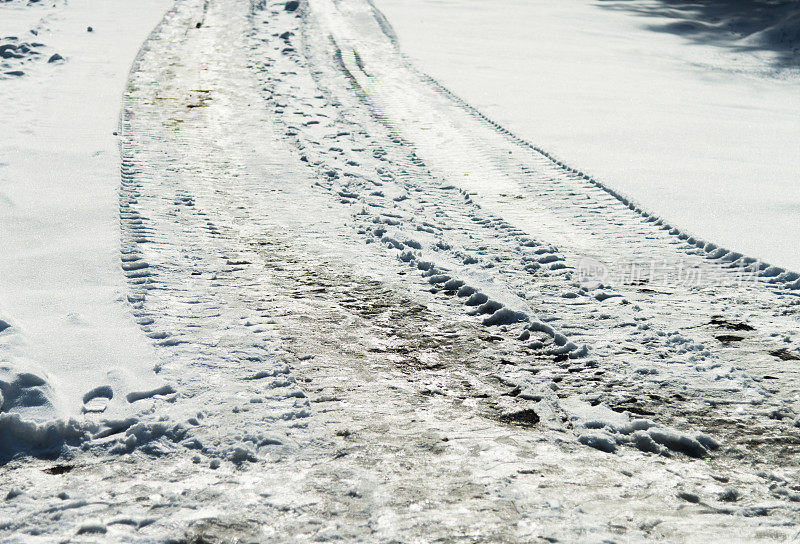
{"x": 369, "y": 313}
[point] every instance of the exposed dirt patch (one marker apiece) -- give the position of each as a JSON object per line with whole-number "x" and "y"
{"x": 785, "y": 355}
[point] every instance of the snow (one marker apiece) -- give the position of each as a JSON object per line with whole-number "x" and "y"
{"x": 604, "y": 429}
{"x": 61, "y": 290}
{"x": 305, "y": 293}
{"x": 701, "y": 131}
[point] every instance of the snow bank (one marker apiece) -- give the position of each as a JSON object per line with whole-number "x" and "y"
{"x": 21, "y": 436}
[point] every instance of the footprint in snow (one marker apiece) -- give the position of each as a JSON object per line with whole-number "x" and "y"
{"x": 96, "y": 400}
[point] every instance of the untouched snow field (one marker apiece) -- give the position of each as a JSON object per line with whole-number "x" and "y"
{"x": 266, "y": 281}
{"x": 691, "y": 109}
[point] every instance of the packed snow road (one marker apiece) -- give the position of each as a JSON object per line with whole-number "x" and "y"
{"x": 379, "y": 316}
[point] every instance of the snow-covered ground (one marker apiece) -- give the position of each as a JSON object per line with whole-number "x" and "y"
{"x": 690, "y": 108}
{"x": 312, "y": 296}
{"x": 61, "y": 288}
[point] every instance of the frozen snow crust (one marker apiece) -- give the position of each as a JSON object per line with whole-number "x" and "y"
{"x": 25, "y": 392}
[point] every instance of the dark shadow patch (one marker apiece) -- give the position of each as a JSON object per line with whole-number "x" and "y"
{"x": 524, "y": 418}
{"x": 785, "y": 355}
{"x": 736, "y": 25}
{"x": 56, "y": 470}
{"x": 730, "y": 325}
{"x": 727, "y": 338}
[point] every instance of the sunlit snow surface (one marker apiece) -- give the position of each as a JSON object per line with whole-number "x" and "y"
{"x": 700, "y": 127}
{"x": 71, "y": 350}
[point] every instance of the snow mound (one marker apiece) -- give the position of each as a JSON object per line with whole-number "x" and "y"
{"x": 601, "y": 428}
{"x": 23, "y": 392}
{"x": 28, "y": 425}
{"x": 19, "y": 436}
{"x": 31, "y": 424}
{"x": 785, "y": 34}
